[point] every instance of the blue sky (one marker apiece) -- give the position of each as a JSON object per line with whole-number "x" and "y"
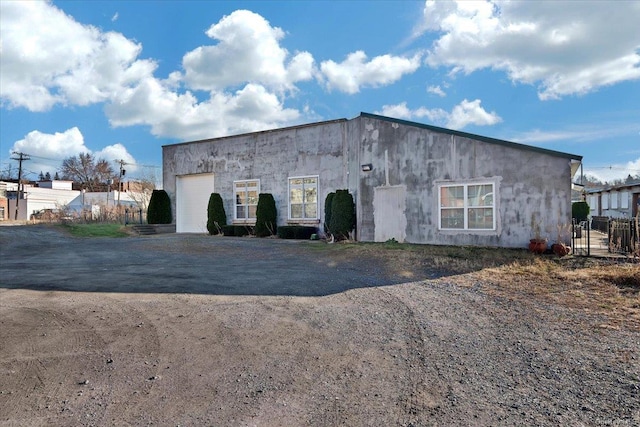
{"x": 121, "y": 79}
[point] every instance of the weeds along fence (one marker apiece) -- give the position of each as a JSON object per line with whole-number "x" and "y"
{"x": 623, "y": 236}
{"x": 126, "y": 216}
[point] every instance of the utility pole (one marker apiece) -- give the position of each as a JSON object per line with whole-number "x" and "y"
{"x": 122, "y": 172}
{"x": 21, "y": 157}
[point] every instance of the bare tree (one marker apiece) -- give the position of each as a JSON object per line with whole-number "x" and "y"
{"x": 87, "y": 170}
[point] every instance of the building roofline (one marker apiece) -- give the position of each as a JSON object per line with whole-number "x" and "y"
{"x": 258, "y": 132}
{"x": 612, "y": 188}
{"x": 489, "y": 140}
{"x": 474, "y": 136}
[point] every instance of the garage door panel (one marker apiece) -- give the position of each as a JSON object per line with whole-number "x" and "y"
{"x": 192, "y": 198}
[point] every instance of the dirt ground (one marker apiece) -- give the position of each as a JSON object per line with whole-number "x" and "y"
{"x": 371, "y": 349}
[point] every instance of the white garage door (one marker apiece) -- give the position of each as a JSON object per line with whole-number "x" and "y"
{"x": 192, "y": 198}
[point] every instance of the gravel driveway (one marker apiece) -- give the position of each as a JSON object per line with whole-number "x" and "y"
{"x": 196, "y": 330}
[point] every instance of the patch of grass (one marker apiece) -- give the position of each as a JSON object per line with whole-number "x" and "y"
{"x": 96, "y": 230}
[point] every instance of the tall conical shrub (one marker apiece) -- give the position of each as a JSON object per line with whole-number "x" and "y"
{"x": 266, "y": 215}
{"x": 216, "y": 216}
{"x": 580, "y": 211}
{"x": 327, "y": 212}
{"x": 159, "y": 210}
{"x": 343, "y": 215}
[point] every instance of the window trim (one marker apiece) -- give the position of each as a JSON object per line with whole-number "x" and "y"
{"x": 466, "y": 207}
{"x": 246, "y": 205}
{"x": 303, "y": 219}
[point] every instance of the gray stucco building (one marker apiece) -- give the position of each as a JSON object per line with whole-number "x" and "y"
{"x": 412, "y": 182}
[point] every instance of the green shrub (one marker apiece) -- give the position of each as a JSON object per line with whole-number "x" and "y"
{"x": 580, "y": 211}
{"x": 266, "y": 215}
{"x": 343, "y": 215}
{"x": 159, "y": 210}
{"x": 237, "y": 230}
{"x": 327, "y": 212}
{"x": 216, "y": 216}
{"x": 228, "y": 230}
{"x": 300, "y": 232}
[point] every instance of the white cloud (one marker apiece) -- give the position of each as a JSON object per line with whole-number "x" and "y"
{"x": 470, "y": 112}
{"x": 436, "y": 90}
{"x": 563, "y": 47}
{"x": 614, "y": 171}
{"x": 248, "y": 50}
{"x": 48, "y": 58}
{"x": 170, "y": 114}
{"x": 47, "y": 151}
{"x": 355, "y": 72}
{"x": 463, "y": 114}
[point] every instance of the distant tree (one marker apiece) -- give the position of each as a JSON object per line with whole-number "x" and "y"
{"x": 56, "y": 177}
{"x": 41, "y": 176}
{"x": 9, "y": 172}
{"x": 47, "y": 176}
{"x": 87, "y": 170}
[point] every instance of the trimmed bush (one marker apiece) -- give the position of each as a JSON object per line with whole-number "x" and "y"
{"x": 216, "y": 216}
{"x": 159, "y": 210}
{"x": 580, "y": 211}
{"x": 228, "y": 230}
{"x": 327, "y": 212}
{"x": 237, "y": 230}
{"x": 343, "y": 215}
{"x": 300, "y": 232}
{"x": 266, "y": 215}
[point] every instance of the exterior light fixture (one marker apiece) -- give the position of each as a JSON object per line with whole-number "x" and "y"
{"x": 367, "y": 167}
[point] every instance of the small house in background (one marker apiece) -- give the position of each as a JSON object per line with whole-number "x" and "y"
{"x": 619, "y": 201}
{"x": 410, "y": 182}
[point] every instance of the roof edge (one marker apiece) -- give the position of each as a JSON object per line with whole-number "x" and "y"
{"x": 474, "y": 136}
{"x": 257, "y": 132}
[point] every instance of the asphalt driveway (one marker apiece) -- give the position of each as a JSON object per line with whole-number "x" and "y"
{"x": 42, "y": 257}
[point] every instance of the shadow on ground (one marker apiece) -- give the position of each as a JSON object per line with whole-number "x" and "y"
{"x": 40, "y": 257}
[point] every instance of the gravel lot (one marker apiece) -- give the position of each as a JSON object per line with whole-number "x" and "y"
{"x": 198, "y": 330}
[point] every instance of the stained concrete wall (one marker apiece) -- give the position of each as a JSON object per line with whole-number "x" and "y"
{"x": 531, "y": 185}
{"x": 271, "y": 156}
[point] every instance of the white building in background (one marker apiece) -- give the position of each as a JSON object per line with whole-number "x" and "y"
{"x": 620, "y": 201}
{"x": 59, "y": 195}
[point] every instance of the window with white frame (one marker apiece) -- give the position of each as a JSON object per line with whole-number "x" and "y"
{"x": 614, "y": 200}
{"x": 245, "y": 195}
{"x": 303, "y": 198}
{"x": 467, "y": 206}
{"x": 624, "y": 200}
{"x": 605, "y": 200}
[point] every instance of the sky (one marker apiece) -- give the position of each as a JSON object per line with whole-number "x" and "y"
{"x": 121, "y": 79}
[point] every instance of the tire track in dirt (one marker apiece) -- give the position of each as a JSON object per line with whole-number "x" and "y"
{"x": 34, "y": 376}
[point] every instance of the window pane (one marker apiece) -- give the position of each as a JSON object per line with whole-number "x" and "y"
{"x": 296, "y": 211}
{"x": 310, "y": 195}
{"x": 481, "y": 218}
{"x": 310, "y": 180}
{"x": 252, "y": 212}
{"x": 452, "y": 218}
{"x": 252, "y": 198}
{"x": 240, "y": 212}
{"x": 480, "y": 195}
{"x": 241, "y": 198}
{"x": 451, "y": 197}
{"x": 295, "y": 181}
{"x": 252, "y": 185}
{"x": 240, "y": 185}
{"x": 295, "y": 195}
{"x": 310, "y": 211}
